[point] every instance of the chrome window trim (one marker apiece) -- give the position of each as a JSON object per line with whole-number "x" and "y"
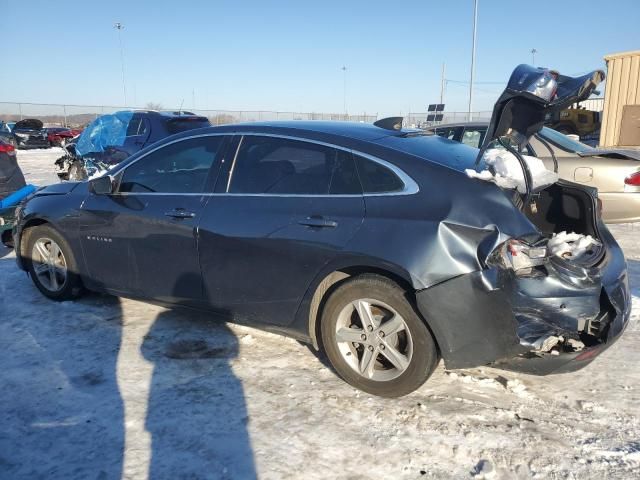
{"x": 410, "y": 185}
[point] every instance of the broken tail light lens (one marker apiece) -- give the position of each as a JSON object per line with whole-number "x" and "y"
{"x": 518, "y": 256}
{"x": 633, "y": 179}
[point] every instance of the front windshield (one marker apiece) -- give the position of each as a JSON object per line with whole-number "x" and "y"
{"x": 563, "y": 141}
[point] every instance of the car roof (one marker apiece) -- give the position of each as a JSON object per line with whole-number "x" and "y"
{"x": 353, "y": 130}
{"x": 165, "y": 113}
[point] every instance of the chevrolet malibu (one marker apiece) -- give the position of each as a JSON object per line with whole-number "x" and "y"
{"x": 367, "y": 241}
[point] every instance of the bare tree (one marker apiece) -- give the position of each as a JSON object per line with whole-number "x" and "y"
{"x": 222, "y": 118}
{"x": 153, "y": 106}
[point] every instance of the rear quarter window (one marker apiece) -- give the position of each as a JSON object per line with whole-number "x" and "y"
{"x": 377, "y": 178}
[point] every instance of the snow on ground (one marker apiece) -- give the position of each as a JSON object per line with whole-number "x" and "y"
{"x": 107, "y": 388}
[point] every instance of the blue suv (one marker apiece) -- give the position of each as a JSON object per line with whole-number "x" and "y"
{"x": 110, "y": 139}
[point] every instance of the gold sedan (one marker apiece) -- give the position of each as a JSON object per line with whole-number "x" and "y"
{"x": 614, "y": 172}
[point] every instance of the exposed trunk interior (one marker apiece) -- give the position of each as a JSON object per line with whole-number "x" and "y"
{"x": 563, "y": 207}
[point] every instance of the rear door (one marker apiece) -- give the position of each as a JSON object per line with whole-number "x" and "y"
{"x": 284, "y": 209}
{"x": 142, "y": 240}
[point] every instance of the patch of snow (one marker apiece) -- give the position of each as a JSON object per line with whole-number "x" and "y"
{"x": 571, "y": 245}
{"x": 508, "y": 171}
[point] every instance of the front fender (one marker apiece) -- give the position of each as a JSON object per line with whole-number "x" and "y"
{"x": 58, "y": 210}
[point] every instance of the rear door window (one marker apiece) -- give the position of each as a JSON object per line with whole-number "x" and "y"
{"x": 181, "y": 167}
{"x": 271, "y": 165}
{"x": 134, "y": 126}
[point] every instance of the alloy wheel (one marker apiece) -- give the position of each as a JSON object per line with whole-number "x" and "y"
{"x": 374, "y": 339}
{"x": 49, "y": 264}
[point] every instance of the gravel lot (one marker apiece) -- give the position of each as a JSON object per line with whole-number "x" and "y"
{"x": 108, "y": 388}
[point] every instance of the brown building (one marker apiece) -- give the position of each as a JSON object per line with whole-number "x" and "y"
{"x": 621, "y": 117}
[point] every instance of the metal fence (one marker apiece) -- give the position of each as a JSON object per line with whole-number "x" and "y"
{"x": 417, "y": 120}
{"x": 79, "y": 115}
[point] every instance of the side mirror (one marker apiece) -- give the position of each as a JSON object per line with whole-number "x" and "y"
{"x": 101, "y": 185}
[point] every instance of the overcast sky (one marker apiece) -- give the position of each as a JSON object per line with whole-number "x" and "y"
{"x": 288, "y": 55}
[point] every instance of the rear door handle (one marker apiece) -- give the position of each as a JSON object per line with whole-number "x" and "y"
{"x": 180, "y": 213}
{"x": 318, "y": 222}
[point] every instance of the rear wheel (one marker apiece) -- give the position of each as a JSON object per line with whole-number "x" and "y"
{"x": 374, "y": 338}
{"x": 51, "y": 264}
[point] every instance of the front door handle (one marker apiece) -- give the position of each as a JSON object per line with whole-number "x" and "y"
{"x": 318, "y": 222}
{"x": 180, "y": 213}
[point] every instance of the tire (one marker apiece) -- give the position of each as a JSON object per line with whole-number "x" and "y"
{"x": 386, "y": 306}
{"x": 77, "y": 172}
{"x": 67, "y": 284}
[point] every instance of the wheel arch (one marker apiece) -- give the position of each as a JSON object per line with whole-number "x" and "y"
{"x": 310, "y": 310}
{"x": 24, "y": 231}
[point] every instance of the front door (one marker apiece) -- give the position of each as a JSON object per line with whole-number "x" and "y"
{"x": 142, "y": 240}
{"x": 286, "y": 209}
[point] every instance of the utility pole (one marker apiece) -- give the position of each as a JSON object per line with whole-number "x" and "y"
{"x": 193, "y": 97}
{"x": 118, "y": 26}
{"x": 344, "y": 90}
{"x": 442, "y": 84}
{"x": 533, "y": 56}
{"x": 473, "y": 57}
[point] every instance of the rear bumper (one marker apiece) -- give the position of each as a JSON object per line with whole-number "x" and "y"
{"x": 620, "y": 207}
{"x": 491, "y": 317}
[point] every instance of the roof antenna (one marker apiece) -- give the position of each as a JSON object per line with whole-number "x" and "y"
{"x": 389, "y": 123}
{"x": 180, "y": 109}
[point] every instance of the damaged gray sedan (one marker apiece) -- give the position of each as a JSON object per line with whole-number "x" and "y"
{"x": 384, "y": 247}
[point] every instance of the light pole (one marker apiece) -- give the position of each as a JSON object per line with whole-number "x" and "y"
{"x": 344, "y": 89}
{"x": 473, "y": 58}
{"x": 442, "y": 84}
{"x": 118, "y": 26}
{"x": 533, "y": 56}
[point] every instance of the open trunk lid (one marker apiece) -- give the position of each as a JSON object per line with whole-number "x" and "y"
{"x": 28, "y": 124}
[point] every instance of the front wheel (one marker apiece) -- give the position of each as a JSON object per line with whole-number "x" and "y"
{"x": 51, "y": 264}
{"x": 374, "y": 338}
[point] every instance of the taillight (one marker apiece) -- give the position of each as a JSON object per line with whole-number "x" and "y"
{"x": 633, "y": 179}
{"x": 6, "y": 148}
{"x": 518, "y": 256}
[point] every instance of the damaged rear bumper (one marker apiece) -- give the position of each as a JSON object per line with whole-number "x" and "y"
{"x": 557, "y": 320}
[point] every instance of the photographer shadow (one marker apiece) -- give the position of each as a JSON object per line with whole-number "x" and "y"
{"x": 196, "y": 414}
